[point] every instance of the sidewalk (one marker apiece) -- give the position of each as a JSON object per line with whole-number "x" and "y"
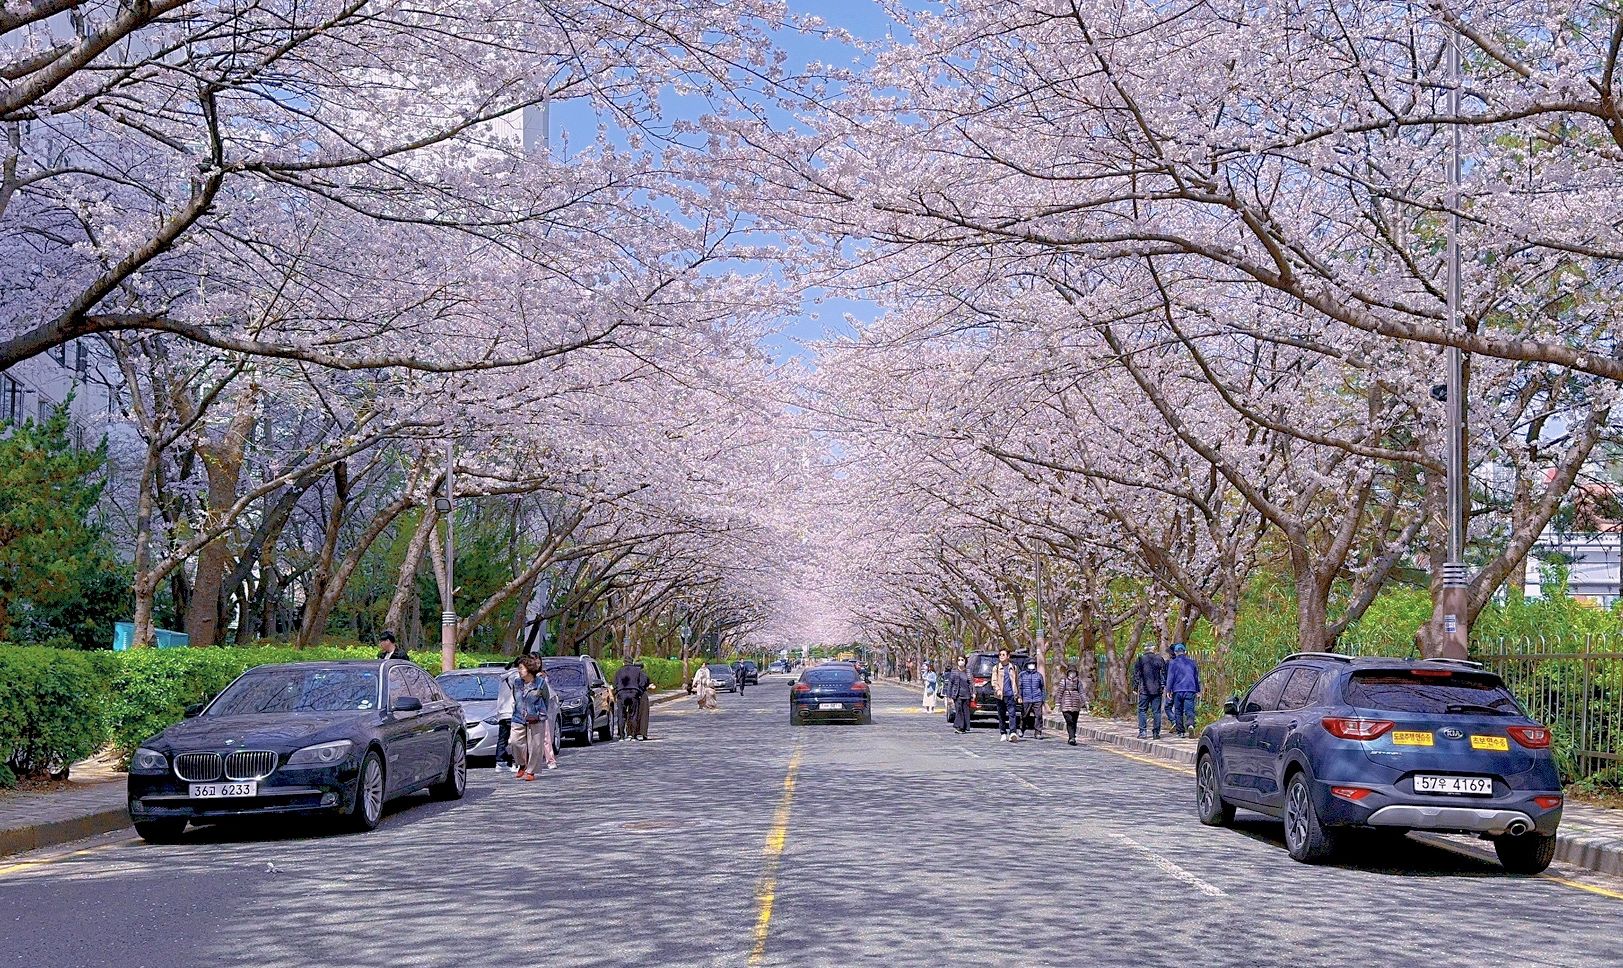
{"x": 1590, "y": 837}
{"x": 91, "y": 802}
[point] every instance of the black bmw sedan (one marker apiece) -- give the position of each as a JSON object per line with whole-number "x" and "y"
{"x": 337, "y": 738}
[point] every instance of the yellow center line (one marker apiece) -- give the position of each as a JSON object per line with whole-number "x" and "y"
{"x": 53, "y": 858}
{"x": 775, "y": 840}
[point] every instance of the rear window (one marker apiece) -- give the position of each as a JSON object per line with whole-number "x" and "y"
{"x": 835, "y": 674}
{"x": 1431, "y": 691}
{"x": 981, "y": 666}
{"x": 566, "y": 674}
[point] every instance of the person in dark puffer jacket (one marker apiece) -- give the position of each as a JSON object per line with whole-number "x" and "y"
{"x": 1033, "y": 691}
{"x": 1068, "y": 695}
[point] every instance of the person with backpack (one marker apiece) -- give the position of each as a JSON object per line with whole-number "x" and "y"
{"x": 1070, "y": 700}
{"x": 1006, "y": 688}
{"x": 1149, "y": 680}
{"x": 1033, "y": 693}
{"x": 1183, "y": 683}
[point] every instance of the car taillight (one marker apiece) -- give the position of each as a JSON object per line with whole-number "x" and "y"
{"x": 1432, "y": 673}
{"x": 1350, "y": 793}
{"x": 860, "y": 686}
{"x": 1532, "y": 737}
{"x": 980, "y": 682}
{"x": 802, "y": 687}
{"x": 1357, "y": 728}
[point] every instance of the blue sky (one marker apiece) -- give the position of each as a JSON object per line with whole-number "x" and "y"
{"x": 864, "y": 18}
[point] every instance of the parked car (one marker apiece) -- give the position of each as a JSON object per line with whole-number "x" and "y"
{"x": 310, "y": 737}
{"x": 477, "y": 690}
{"x": 778, "y": 668}
{"x": 830, "y": 692}
{"x": 1331, "y": 743}
{"x": 747, "y": 672}
{"x": 982, "y": 695}
{"x": 585, "y": 699}
{"x": 723, "y": 674}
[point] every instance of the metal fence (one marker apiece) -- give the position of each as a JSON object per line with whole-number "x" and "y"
{"x": 1574, "y": 686}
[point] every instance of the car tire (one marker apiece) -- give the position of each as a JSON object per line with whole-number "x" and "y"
{"x": 456, "y": 774}
{"x": 1209, "y": 804}
{"x": 166, "y": 831}
{"x": 557, "y": 740}
{"x": 370, "y": 791}
{"x": 1306, "y": 839}
{"x": 793, "y": 719}
{"x": 588, "y": 733}
{"x": 1525, "y": 854}
{"x": 867, "y": 717}
{"x": 606, "y": 731}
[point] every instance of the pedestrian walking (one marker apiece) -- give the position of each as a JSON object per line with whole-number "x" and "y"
{"x": 704, "y": 688}
{"x": 1070, "y": 700}
{"x": 738, "y": 676}
{"x": 631, "y": 685}
{"x": 932, "y": 686}
{"x": 532, "y": 735}
{"x": 1006, "y": 689}
{"x": 959, "y": 689}
{"x": 1183, "y": 682}
{"x": 504, "y": 718}
{"x": 388, "y": 648}
{"x": 1149, "y": 680}
{"x": 1033, "y": 693}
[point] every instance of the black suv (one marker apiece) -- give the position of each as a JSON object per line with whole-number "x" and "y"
{"x": 982, "y": 696}
{"x": 585, "y": 701}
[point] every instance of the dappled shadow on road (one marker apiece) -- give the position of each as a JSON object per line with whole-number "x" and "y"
{"x": 1380, "y": 853}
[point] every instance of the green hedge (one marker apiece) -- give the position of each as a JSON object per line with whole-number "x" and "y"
{"x": 50, "y": 710}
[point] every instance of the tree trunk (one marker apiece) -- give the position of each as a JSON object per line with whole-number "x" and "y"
{"x": 222, "y": 467}
{"x": 317, "y": 602}
{"x": 406, "y": 579}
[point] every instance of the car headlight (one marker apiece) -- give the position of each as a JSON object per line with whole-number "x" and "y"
{"x": 574, "y": 704}
{"x": 492, "y": 720}
{"x": 149, "y": 761}
{"x": 322, "y": 754}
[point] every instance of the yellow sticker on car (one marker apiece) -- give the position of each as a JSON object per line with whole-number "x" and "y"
{"x": 1499, "y": 743}
{"x": 1411, "y": 739}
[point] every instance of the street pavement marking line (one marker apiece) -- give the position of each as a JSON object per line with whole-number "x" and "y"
{"x": 42, "y": 861}
{"x": 971, "y": 753}
{"x": 767, "y": 893}
{"x": 1026, "y": 783}
{"x": 1580, "y": 885}
{"x": 1173, "y": 869}
{"x": 1163, "y": 764}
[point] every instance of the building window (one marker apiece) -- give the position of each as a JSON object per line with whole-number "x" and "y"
{"x": 59, "y": 353}
{"x": 45, "y": 408}
{"x": 81, "y": 360}
{"x": 11, "y": 400}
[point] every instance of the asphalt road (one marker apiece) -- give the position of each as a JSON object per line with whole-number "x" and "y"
{"x": 733, "y": 838}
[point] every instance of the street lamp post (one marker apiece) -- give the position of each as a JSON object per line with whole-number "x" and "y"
{"x": 1452, "y": 600}
{"x": 448, "y": 593}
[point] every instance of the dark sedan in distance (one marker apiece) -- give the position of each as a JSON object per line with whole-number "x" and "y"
{"x": 830, "y": 692}
{"x": 339, "y": 738}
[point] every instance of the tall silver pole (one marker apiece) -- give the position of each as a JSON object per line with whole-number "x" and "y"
{"x": 1456, "y": 577}
{"x": 448, "y": 594}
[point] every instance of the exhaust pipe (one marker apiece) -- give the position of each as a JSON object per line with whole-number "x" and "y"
{"x": 1518, "y": 827}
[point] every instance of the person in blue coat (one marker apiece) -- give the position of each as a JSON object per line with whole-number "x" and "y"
{"x": 1033, "y": 692}
{"x": 1183, "y": 683}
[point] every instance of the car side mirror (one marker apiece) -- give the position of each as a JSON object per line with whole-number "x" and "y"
{"x": 407, "y": 704}
{"x": 1231, "y": 706}
{"x": 195, "y": 709}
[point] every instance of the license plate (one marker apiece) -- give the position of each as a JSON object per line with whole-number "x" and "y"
{"x": 1411, "y": 739}
{"x": 1463, "y": 786}
{"x": 831, "y": 705}
{"x": 215, "y": 791}
{"x": 1499, "y": 743}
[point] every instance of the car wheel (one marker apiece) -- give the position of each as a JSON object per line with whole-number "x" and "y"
{"x": 793, "y": 719}
{"x": 867, "y": 717}
{"x": 165, "y": 831}
{"x": 557, "y": 740}
{"x": 606, "y": 731}
{"x": 1209, "y": 803}
{"x": 456, "y": 774}
{"x": 1306, "y": 838}
{"x": 588, "y": 733}
{"x": 367, "y": 811}
{"x": 1525, "y": 854}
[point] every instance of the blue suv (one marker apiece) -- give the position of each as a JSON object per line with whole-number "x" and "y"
{"x": 1330, "y": 743}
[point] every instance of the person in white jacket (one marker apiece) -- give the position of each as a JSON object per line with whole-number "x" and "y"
{"x": 504, "y": 716}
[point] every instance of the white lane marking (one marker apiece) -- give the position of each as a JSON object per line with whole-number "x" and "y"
{"x": 971, "y": 753}
{"x": 1026, "y": 783}
{"x": 1173, "y": 869}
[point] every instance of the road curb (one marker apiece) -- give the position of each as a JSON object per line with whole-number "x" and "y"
{"x": 17, "y": 840}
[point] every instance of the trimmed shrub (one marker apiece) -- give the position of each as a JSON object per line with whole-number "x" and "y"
{"x": 50, "y": 711}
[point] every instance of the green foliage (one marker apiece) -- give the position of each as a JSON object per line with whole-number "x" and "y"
{"x": 50, "y": 710}
{"x": 59, "y": 574}
{"x": 663, "y": 673}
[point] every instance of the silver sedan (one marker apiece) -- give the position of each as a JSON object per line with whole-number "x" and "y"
{"x": 477, "y": 691}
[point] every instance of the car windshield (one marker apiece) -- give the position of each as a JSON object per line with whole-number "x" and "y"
{"x": 721, "y": 670}
{"x": 834, "y": 674}
{"x": 297, "y": 691}
{"x": 566, "y": 674}
{"x": 981, "y": 666}
{"x": 1431, "y": 691}
{"x": 470, "y": 688}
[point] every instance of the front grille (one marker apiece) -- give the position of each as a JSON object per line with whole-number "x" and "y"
{"x": 198, "y": 767}
{"x": 250, "y": 765}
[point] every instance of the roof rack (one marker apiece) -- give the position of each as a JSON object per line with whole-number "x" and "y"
{"x": 1318, "y": 655}
{"x": 1462, "y": 662}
